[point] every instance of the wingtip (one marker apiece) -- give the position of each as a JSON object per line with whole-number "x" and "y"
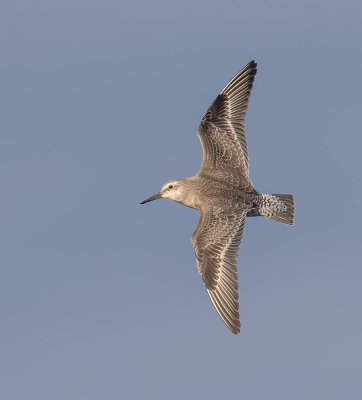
{"x": 235, "y": 331}
{"x": 252, "y": 64}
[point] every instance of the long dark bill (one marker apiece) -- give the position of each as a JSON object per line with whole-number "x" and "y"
{"x": 154, "y": 197}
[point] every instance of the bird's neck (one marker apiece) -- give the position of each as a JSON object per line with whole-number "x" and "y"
{"x": 189, "y": 194}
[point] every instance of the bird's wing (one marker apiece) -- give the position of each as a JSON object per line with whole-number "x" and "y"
{"x": 216, "y": 242}
{"x": 222, "y": 132}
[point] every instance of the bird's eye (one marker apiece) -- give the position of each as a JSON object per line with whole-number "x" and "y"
{"x": 170, "y": 186}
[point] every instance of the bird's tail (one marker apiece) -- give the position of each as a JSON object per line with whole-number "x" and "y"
{"x": 279, "y": 207}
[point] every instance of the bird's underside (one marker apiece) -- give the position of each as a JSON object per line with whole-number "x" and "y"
{"x": 224, "y": 195}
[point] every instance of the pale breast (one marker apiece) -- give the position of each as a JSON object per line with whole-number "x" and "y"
{"x": 210, "y": 192}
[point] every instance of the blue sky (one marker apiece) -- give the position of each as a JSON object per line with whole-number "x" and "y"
{"x": 100, "y": 297}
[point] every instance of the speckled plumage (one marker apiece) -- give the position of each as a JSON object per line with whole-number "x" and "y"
{"x": 223, "y": 193}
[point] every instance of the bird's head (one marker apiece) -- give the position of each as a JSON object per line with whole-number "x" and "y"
{"x": 173, "y": 190}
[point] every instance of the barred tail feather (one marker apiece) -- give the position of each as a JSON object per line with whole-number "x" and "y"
{"x": 279, "y": 207}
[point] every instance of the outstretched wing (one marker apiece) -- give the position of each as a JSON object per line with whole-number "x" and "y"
{"x": 222, "y": 132}
{"x": 216, "y": 242}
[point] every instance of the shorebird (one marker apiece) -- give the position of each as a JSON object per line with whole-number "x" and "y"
{"x": 224, "y": 195}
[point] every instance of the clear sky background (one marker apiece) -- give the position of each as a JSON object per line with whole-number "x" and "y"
{"x": 100, "y": 297}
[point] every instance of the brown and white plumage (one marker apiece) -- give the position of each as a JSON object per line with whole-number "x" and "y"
{"x": 223, "y": 193}
{"x": 216, "y": 242}
{"x": 217, "y": 237}
{"x": 222, "y": 132}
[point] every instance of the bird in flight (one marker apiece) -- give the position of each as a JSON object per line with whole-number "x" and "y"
{"x": 224, "y": 195}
